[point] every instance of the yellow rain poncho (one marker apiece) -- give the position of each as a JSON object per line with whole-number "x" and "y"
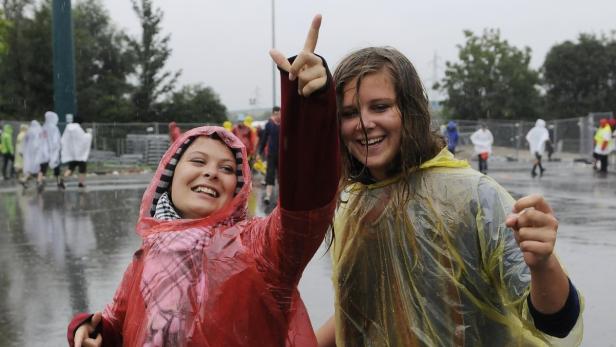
{"x": 440, "y": 270}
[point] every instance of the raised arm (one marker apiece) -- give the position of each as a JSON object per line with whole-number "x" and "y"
{"x": 308, "y": 168}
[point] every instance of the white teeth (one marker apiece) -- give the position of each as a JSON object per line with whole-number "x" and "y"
{"x": 206, "y": 190}
{"x": 372, "y": 141}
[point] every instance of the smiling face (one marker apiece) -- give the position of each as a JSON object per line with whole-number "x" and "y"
{"x": 204, "y": 179}
{"x": 376, "y": 105}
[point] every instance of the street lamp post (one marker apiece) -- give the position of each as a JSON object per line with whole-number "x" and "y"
{"x": 63, "y": 60}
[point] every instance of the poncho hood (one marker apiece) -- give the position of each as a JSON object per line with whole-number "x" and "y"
{"x": 536, "y": 137}
{"x": 51, "y": 118}
{"x": 7, "y": 128}
{"x": 229, "y": 215}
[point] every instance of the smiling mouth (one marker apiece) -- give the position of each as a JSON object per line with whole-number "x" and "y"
{"x": 206, "y": 190}
{"x": 372, "y": 141}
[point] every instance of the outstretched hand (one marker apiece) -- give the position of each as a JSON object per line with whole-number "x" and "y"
{"x": 534, "y": 227}
{"x": 82, "y": 335}
{"x": 308, "y": 68}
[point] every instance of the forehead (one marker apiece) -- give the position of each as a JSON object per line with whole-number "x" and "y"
{"x": 373, "y": 85}
{"x": 211, "y": 147}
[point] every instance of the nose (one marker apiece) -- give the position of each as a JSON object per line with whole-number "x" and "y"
{"x": 209, "y": 171}
{"x": 367, "y": 120}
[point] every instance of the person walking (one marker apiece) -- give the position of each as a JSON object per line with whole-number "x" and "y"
{"x": 8, "y": 151}
{"x": 452, "y": 136}
{"x": 537, "y": 138}
{"x": 49, "y": 151}
{"x": 482, "y": 140}
{"x": 32, "y": 145}
{"x": 19, "y": 151}
{"x": 269, "y": 140}
{"x": 603, "y": 144}
{"x": 76, "y": 145}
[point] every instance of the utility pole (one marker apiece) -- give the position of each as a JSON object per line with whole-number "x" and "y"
{"x": 274, "y": 67}
{"x": 63, "y": 60}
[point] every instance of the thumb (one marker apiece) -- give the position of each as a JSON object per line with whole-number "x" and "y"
{"x": 96, "y": 319}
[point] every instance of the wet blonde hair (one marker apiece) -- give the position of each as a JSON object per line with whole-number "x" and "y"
{"x": 418, "y": 142}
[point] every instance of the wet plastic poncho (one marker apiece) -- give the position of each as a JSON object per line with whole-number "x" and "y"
{"x": 537, "y": 137}
{"x": 6, "y": 140}
{"x": 603, "y": 140}
{"x": 440, "y": 270}
{"x": 49, "y": 151}
{"x": 32, "y": 143}
{"x": 452, "y": 136}
{"x": 482, "y": 140}
{"x": 19, "y": 147}
{"x": 76, "y": 143}
{"x": 226, "y": 280}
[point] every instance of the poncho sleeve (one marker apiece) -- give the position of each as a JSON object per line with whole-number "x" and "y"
{"x": 503, "y": 261}
{"x": 285, "y": 241}
{"x": 114, "y": 313}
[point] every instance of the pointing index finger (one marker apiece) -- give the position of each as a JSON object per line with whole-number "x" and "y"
{"x": 313, "y": 34}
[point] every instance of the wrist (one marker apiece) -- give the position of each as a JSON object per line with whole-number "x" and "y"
{"x": 550, "y": 264}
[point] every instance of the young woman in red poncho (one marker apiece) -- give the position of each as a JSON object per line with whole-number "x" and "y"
{"x": 206, "y": 275}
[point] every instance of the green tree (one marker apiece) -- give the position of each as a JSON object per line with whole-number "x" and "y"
{"x": 103, "y": 63}
{"x": 580, "y": 77}
{"x": 151, "y": 54}
{"x": 24, "y": 69}
{"x": 491, "y": 80}
{"x": 194, "y": 104}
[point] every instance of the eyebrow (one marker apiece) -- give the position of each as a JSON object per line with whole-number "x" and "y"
{"x": 207, "y": 155}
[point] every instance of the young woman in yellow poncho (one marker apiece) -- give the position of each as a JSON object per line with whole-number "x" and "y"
{"x": 426, "y": 250}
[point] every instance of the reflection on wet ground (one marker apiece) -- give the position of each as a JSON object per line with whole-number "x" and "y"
{"x": 65, "y": 252}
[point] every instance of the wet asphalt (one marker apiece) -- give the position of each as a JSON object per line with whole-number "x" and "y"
{"x": 63, "y": 252}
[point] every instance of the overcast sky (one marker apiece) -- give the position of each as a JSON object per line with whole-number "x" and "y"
{"x": 224, "y": 44}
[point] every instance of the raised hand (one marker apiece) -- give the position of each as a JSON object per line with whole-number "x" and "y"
{"x": 82, "y": 335}
{"x": 534, "y": 227}
{"x": 308, "y": 67}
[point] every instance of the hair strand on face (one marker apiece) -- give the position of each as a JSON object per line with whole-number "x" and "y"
{"x": 418, "y": 142}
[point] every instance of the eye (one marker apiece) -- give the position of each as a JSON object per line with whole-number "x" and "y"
{"x": 197, "y": 161}
{"x": 380, "y": 108}
{"x": 228, "y": 169}
{"x": 349, "y": 113}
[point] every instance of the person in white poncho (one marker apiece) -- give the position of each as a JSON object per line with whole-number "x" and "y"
{"x": 537, "y": 137}
{"x": 48, "y": 154}
{"x": 482, "y": 140}
{"x": 32, "y": 143}
{"x": 76, "y": 145}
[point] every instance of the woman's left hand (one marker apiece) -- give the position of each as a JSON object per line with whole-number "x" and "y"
{"x": 534, "y": 227}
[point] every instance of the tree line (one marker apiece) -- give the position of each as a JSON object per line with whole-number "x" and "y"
{"x": 119, "y": 78}
{"x": 493, "y": 79}
{"x": 122, "y": 78}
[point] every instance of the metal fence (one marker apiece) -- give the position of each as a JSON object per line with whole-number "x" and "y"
{"x": 570, "y": 135}
{"x": 144, "y": 143}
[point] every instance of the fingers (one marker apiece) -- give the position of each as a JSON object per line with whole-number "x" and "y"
{"x": 93, "y": 342}
{"x": 313, "y": 34}
{"x": 304, "y": 59}
{"x": 531, "y": 217}
{"x": 545, "y": 235}
{"x": 280, "y": 60}
{"x": 313, "y": 86}
{"x": 537, "y": 248}
{"x": 80, "y": 335}
{"x": 536, "y": 201}
{"x": 96, "y": 318}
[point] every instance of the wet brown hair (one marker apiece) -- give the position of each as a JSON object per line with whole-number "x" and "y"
{"x": 418, "y": 142}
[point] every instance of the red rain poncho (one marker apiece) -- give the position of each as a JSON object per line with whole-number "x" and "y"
{"x": 225, "y": 280}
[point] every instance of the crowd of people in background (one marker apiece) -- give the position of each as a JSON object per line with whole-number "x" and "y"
{"x": 539, "y": 144}
{"x": 37, "y": 149}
